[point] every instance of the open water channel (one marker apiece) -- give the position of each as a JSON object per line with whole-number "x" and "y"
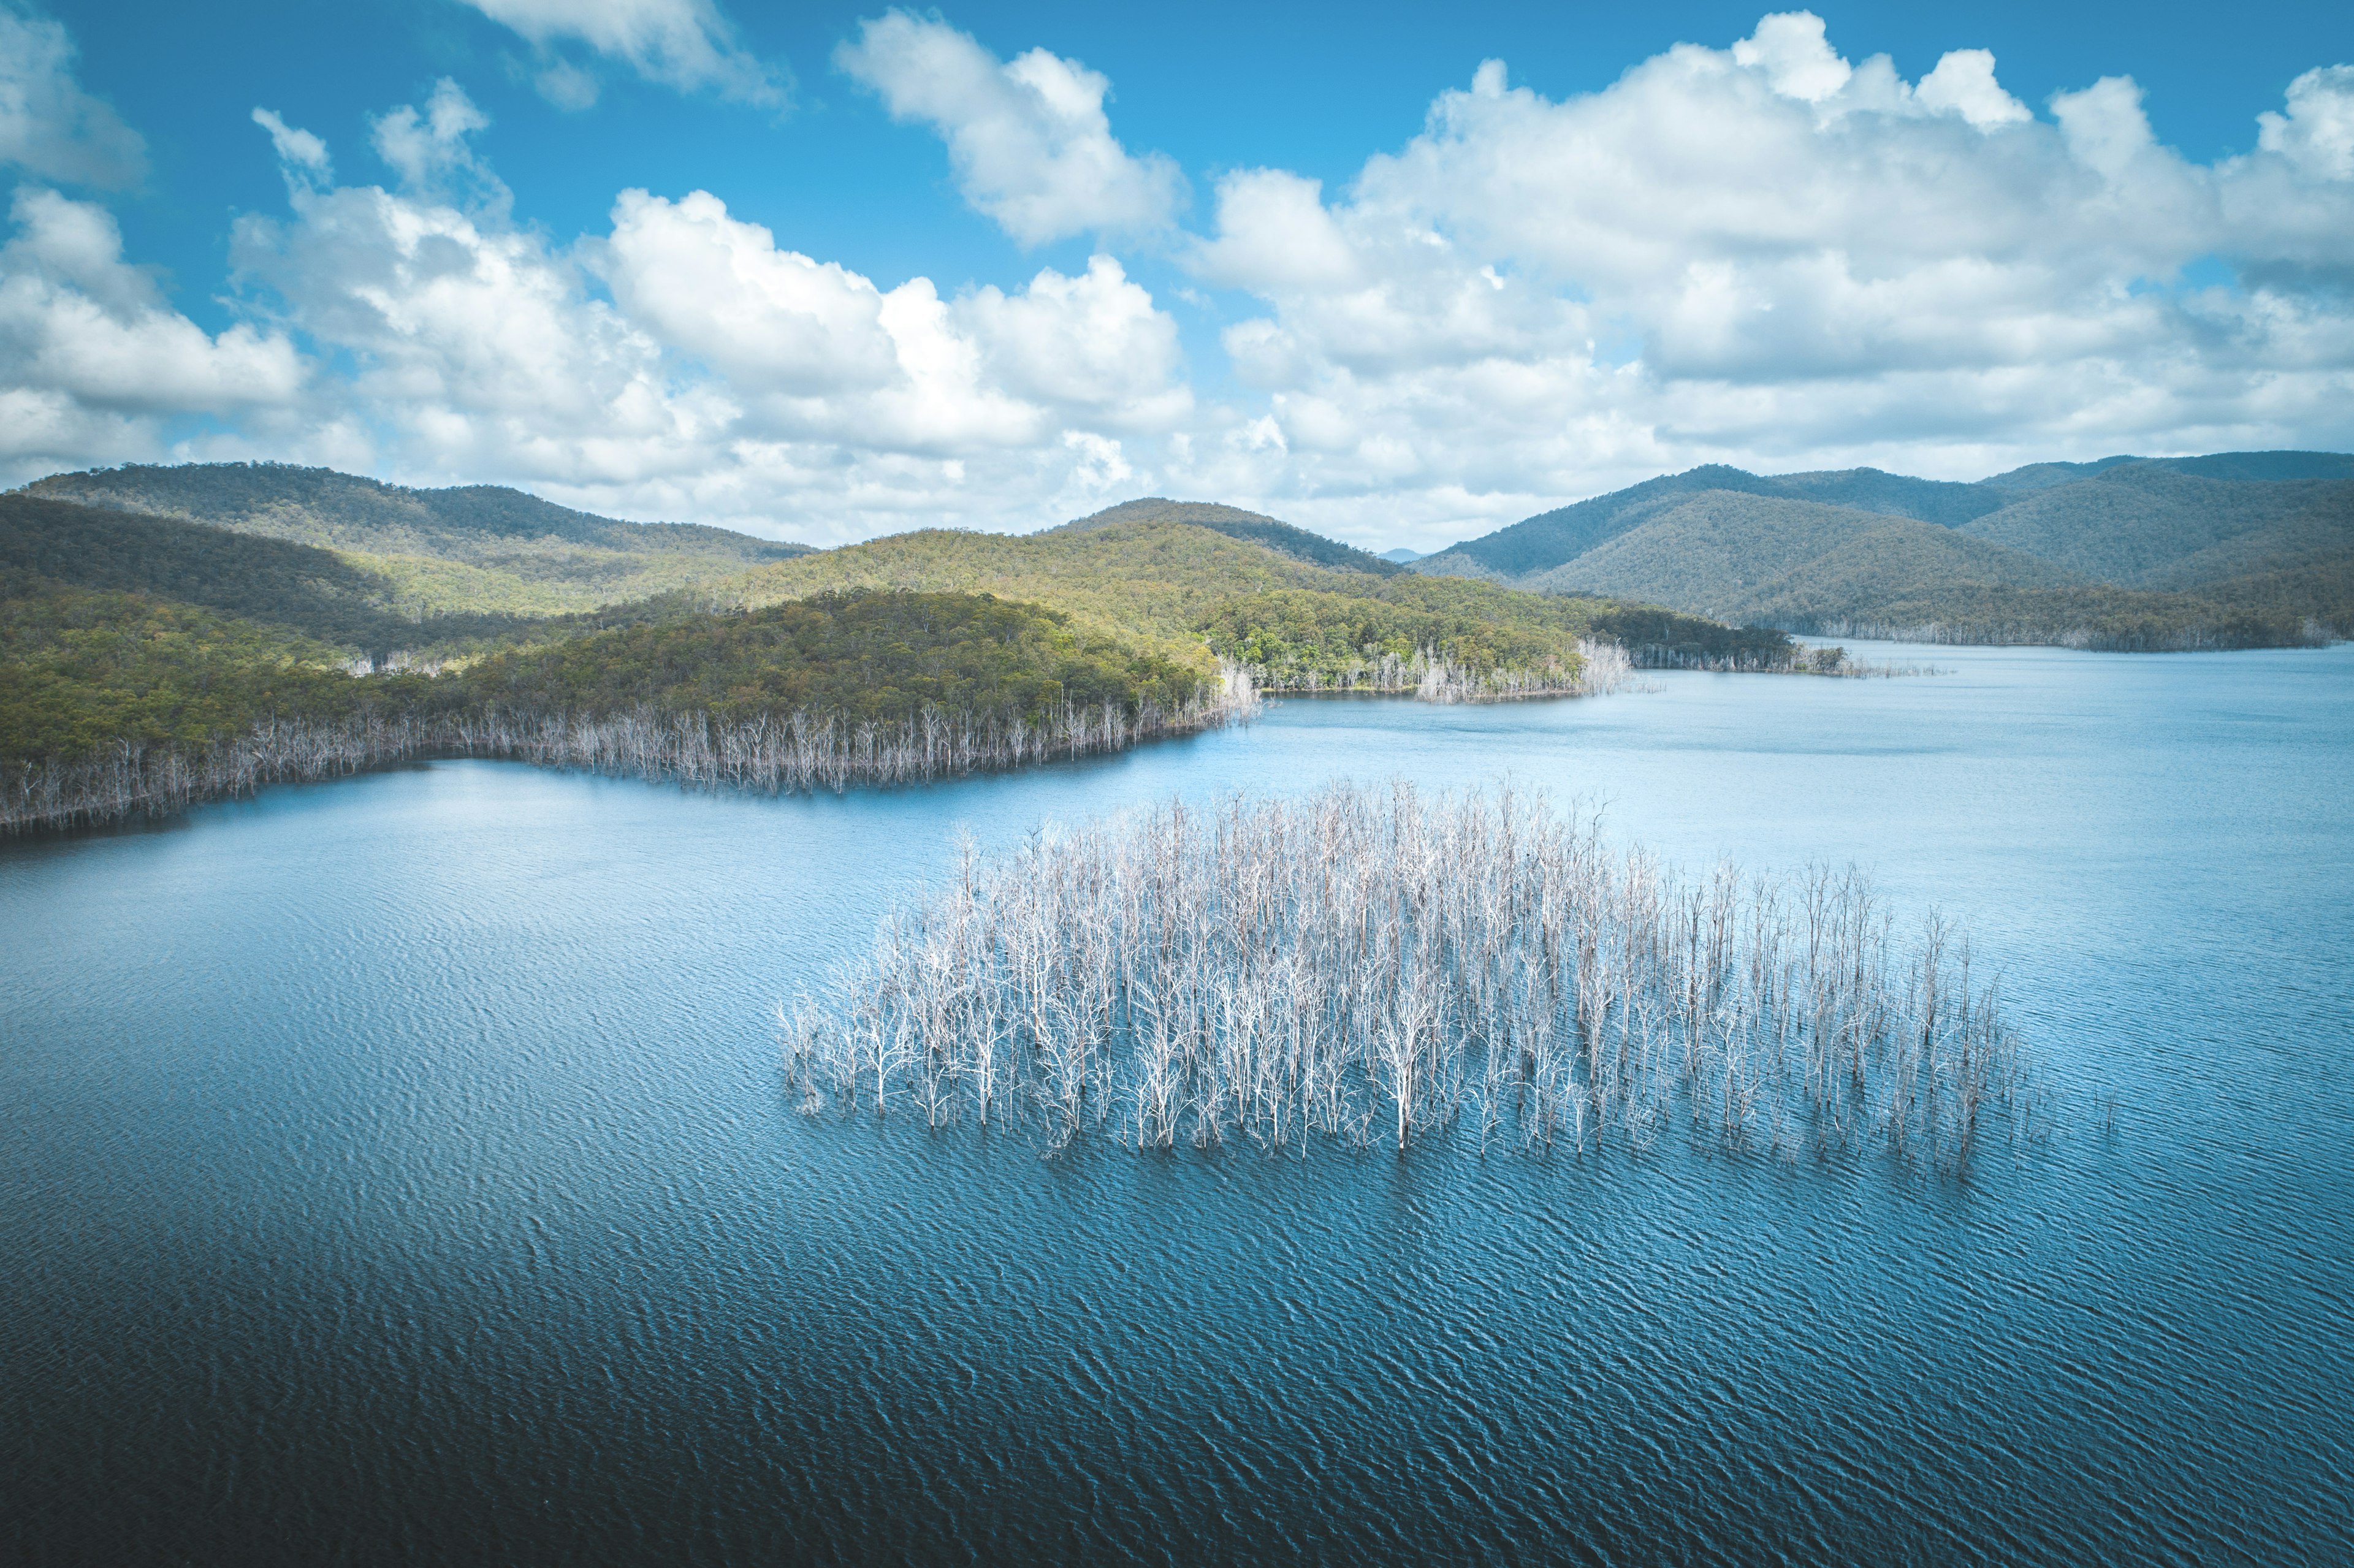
{"x": 401, "y": 1169}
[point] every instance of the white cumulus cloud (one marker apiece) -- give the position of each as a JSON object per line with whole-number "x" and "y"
{"x": 93, "y": 358}
{"x": 2316, "y": 135}
{"x": 1029, "y": 139}
{"x": 685, "y": 363}
{"x": 1094, "y": 346}
{"x": 1963, "y": 83}
{"x": 1789, "y": 48}
{"x": 684, "y": 44}
{"x": 425, "y": 149}
{"x": 723, "y": 292}
{"x": 303, "y": 155}
{"x": 49, "y": 127}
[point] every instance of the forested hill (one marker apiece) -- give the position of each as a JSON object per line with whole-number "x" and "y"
{"x": 462, "y": 550}
{"x": 1237, "y": 523}
{"x": 2230, "y": 550}
{"x": 1191, "y": 590}
{"x": 324, "y": 595}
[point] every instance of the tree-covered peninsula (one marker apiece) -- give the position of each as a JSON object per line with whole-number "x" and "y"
{"x": 176, "y": 633}
{"x": 121, "y": 703}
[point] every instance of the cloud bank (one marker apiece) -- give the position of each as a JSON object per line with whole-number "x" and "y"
{"x": 684, "y": 359}
{"x": 1765, "y": 254}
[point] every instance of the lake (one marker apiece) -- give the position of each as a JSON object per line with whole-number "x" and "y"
{"x": 401, "y": 1168}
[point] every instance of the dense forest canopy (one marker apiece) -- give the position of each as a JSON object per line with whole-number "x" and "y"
{"x": 348, "y": 510}
{"x": 328, "y": 595}
{"x": 1193, "y": 592}
{"x": 88, "y": 670}
{"x": 860, "y": 653}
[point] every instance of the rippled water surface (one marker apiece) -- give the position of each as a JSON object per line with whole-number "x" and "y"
{"x": 399, "y": 1170}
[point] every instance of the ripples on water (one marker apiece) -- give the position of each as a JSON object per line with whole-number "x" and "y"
{"x": 401, "y": 1168}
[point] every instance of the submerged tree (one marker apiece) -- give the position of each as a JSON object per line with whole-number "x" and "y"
{"x": 1368, "y": 965}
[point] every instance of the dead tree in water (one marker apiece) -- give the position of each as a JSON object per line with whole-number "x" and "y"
{"x": 1359, "y": 959}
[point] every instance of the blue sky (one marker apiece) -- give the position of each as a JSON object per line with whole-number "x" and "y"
{"x": 1019, "y": 262}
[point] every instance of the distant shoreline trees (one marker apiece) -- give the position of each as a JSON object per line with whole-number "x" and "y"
{"x": 800, "y": 751}
{"x": 850, "y": 688}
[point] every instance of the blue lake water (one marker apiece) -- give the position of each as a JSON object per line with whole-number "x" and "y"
{"x": 401, "y": 1169}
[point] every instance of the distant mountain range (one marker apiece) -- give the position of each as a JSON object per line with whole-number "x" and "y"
{"x": 2231, "y": 550}
{"x": 2234, "y": 549}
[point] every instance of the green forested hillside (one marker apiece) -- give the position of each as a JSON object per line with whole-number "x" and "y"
{"x": 1177, "y": 584}
{"x": 862, "y": 655}
{"x": 471, "y": 549}
{"x": 113, "y": 703}
{"x": 2091, "y": 615}
{"x": 2044, "y": 475}
{"x": 1839, "y": 572}
{"x": 2137, "y": 524}
{"x": 2256, "y": 466}
{"x": 1554, "y": 539}
{"x": 88, "y": 670}
{"x": 2317, "y": 538}
{"x": 2234, "y": 549}
{"x": 326, "y": 595}
{"x": 1148, "y": 580}
{"x": 1296, "y": 639}
{"x": 1896, "y": 494}
{"x": 2262, "y": 466}
{"x": 1735, "y": 556}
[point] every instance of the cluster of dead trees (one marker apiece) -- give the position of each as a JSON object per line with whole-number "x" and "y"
{"x": 808, "y": 751}
{"x": 1367, "y": 966}
{"x": 1434, "y": 676}
{"x": 133, "y": 776}
{"x": 1603, "y": 667}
